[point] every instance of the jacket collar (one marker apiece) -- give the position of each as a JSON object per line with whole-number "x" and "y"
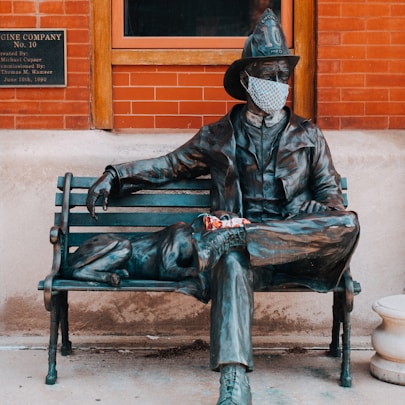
{"x": 295, "y": 135}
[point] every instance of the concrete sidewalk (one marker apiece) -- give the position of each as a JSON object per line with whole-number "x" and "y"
{"x": 118, "y": 374}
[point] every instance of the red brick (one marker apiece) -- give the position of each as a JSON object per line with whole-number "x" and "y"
{"x": 341, "y": 24}
{"x": 79, "y": 65}
{"x": 52, "y": 7}
{"x": 364, "y": 122}
{"x": 396, "y": 66}
{"x": 77, "y": 7}
{"x": 379, "y": 80}
{"x": 342, "y": 52}
{"x": 215, "y": 93}
{"x": 39, "y": 122}
{"x": 65, "y": 21}
{"x": 365, "y": 94}
{"x": 181, "y": 68}
{"x": 329, "y": 38}
{"x": 130, "y": 121}
{"x": 7, "y": 94}
{"x": 5, "y": 7}
{"x": 203, "y": 79}
{"x": 341, "y": 80}
{"x": 341, "y": 109}
{"x": 135, "y": 68}
{"x": 384, "y": 52}
{"x": 361, "y": 9}
{"x": 77, "y": 122}
{"x": 398, "y": 38}
{"x": 215, "y": 108}
{"x": 40, "y": 93}
{"x": 78, "y": 51}
{"x": 65, "y": 108}
{"x": 328, "y": 94}
{"x": 153, "y": 79}
{"x": 397, "y": 94}
{"x": 329, "y": 66}
{"x": 329, "y": 9}
{"x": 122, "y": 107}
{"x": 385, "y": 24}
{"x": 24, "y": 7}
{"x": 78, "y": 36}
{"x": 18, "y": 21}
{"x": 397, "y": 10}
{"x": 397, "y": 122}
{"x": 178, "y": 122}
{"x": 78, "y": 79}
{"x": 209, "y": 119}
{"x": 133, "y": 93}
{"x": 393, "y": 108}
{"x": 120, "y": 79}
{"x": 364, "y": 66}
{"x": 77, "y": 93}
{"x": 7, "y": 122}
{"x": 17, "y": 108}
{"x": 156, "y": 107}
{"x": 365, "y": 37}
{"x": 179, "y": 93}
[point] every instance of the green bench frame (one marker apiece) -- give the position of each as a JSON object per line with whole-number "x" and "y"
{"x": 139, "y": 213}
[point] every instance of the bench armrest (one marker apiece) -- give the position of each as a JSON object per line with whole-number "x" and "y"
{"x": 56, "y": 237}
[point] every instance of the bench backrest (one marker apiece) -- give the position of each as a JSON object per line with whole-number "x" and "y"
{"x": 136, "y": 214}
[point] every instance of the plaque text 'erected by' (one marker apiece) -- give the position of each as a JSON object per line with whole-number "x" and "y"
{"x": 31, "y": 58}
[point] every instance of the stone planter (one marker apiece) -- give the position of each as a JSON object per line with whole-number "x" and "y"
{"x": 388, "y": 340}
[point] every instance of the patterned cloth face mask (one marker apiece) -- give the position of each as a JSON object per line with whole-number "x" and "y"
{"x": 268, "y": 95}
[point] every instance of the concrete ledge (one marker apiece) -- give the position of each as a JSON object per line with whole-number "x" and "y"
{"x": 373, "y": 161}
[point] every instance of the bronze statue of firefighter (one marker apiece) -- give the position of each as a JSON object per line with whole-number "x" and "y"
{"x": 276, "y": 209}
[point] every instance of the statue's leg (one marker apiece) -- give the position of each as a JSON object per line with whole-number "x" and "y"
{"x": 232, "y": 311}
{"x": 313, "y": 247}
{"x": 330, "y": 234}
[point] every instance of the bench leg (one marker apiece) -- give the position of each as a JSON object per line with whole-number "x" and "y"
{"x": 345, "y": 376}
{"x": 53, "y": 340}
{"x": 334, "y": 347}
{"x": 66, "y": 348}
{"x": 342, "y": 307}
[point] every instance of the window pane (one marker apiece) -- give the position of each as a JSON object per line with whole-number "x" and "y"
{"x": 190, "y": 18}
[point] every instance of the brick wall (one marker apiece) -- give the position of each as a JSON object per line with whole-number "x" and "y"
{"x": 361, "y": 64}
{"x": 50, "y": 108}
{"x": 360, "y": 82}
{"x": 168, "y": 96}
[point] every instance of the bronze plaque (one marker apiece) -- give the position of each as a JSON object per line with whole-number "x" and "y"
{"x": 33, "y": 58}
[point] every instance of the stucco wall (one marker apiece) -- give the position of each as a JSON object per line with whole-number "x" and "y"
{"x": 30, "y": 161}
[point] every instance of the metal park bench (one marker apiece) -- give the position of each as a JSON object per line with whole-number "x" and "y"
{"x": 138, "y": 214}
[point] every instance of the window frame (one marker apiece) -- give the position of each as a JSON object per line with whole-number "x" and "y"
{"x": 104, "y": 57}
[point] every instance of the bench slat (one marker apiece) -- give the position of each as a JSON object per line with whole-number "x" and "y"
{"x": 142, "y": 200}
{"x": 128, "y": 219}
{"x": 159, "y": 286}
{"x": 189, "y": 184}
{"x": 125, "y": 285}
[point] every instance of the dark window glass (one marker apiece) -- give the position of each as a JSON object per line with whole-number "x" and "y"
{"x": 190, "y": 18}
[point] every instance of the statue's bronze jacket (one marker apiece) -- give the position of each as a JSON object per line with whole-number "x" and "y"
{"x": 303, "y": 165}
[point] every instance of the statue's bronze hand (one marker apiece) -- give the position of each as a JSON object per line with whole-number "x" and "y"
{"x": 310, "y": 207}
{"x": 102, "y": 187}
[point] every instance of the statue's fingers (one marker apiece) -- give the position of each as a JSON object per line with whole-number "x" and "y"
{"x": 91, "y": 204}
{"x": 105, "y": 201}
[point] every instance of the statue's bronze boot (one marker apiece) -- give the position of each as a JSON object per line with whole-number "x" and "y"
{"x": 235, "y": 388}
{"x": 211, "y": 245}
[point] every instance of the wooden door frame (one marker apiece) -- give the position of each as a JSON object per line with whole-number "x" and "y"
{"x": 103, "y": 59}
